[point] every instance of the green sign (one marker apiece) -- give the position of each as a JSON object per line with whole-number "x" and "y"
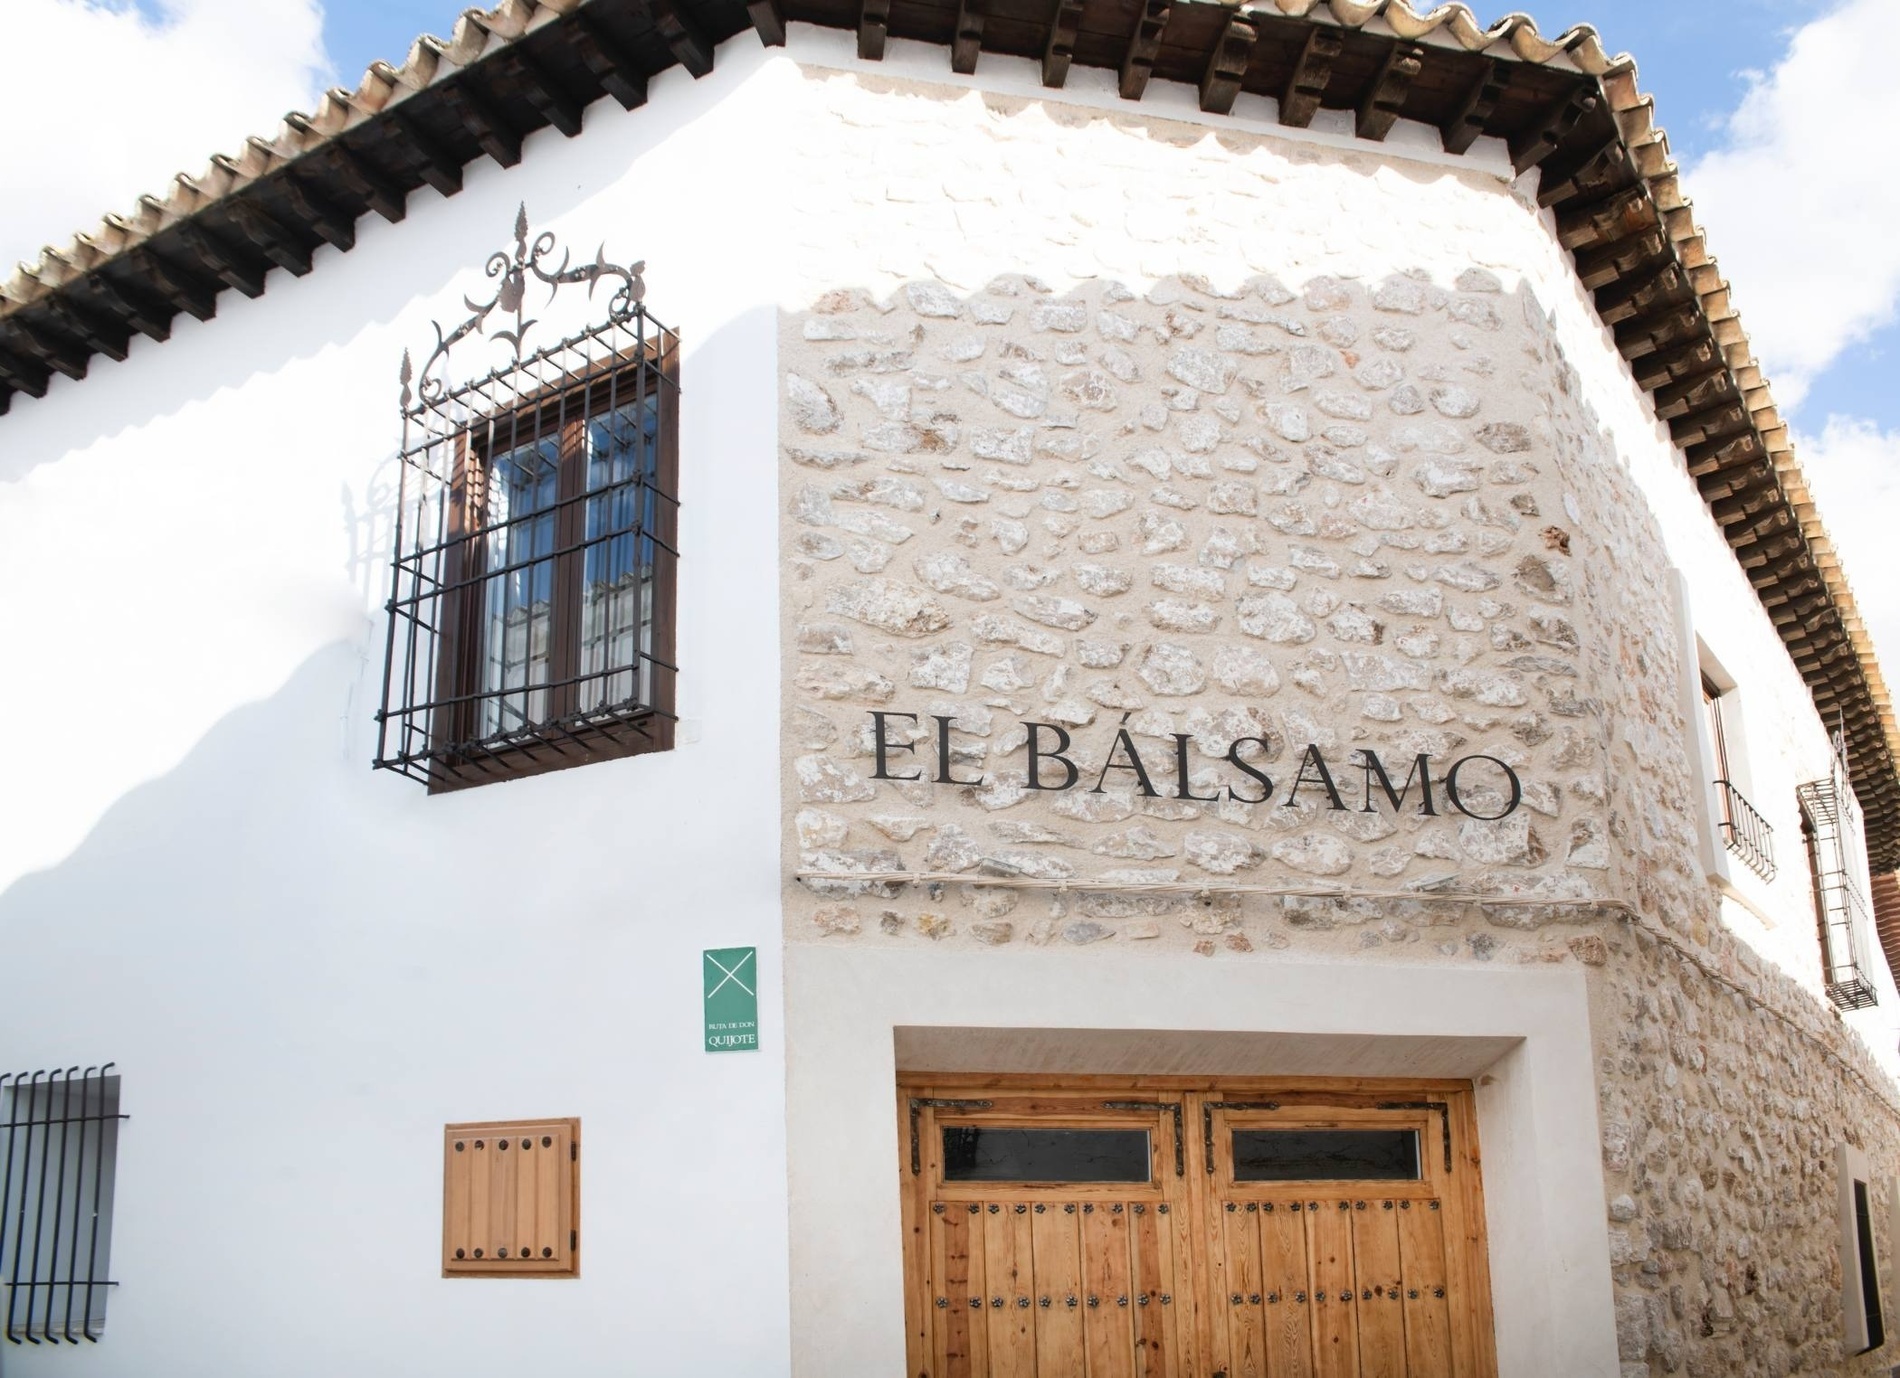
{"x": 732, "y": 999}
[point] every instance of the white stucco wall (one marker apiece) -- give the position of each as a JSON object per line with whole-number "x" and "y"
{"x": 304, "y": 968}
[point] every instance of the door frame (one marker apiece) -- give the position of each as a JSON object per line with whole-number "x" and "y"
{"x": 857, "y": 1013}
{"x": 1443, "y": 1110}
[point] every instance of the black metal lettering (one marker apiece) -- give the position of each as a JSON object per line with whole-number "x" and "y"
{"x": 1123, "y": 742}
{"x": 884, "y": 746}
{"x": 1182, "y": 785}
{"x": 1451, "y": 788}
{"x": 1037, "y": 755}
{"x": 1266, "y": 782}
{"x": 1421, "y": 771}
{"x": 943, "y": 753}
{"x": 1325, "y": 780}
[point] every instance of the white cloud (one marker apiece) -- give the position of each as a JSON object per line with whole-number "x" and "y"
{"x": 1800, "y": 205}
{"x": 103, "y": 103}
{"x": 1853, "y": 468}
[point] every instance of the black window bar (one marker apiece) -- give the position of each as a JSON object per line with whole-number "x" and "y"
{"x": 532, "y": 592}
{"x": 1745, "y": 832}
{"x": 1832, "y": 831}
{"x": 60, "y": 1154}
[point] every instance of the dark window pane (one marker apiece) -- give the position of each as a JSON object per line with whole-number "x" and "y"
{"x": 982, "y": 1153}
{"x": 1325, "y": 1155}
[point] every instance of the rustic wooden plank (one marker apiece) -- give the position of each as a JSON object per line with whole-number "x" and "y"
{"x": 134, "y": 308}
{"x": 1546, "y": 133}
{"x": 1711, "y": 423}
{"x": 1155, "y": 1349}
{"x": 379, "y": 192}
{"x": 1289, "y": 1285}
{"x": 874, "y": 22}
{"x": 187, "y": 291}
{"x": 277, "y": 243}
{"x": 962, "y": 1236}
{"x": 1300, "y": 99}
{"x": 1607, "y": 262}
{"x": 768, "y": 19}
{"x": 1694, "y": 392}
{"x": 493, "y": 130}
{"x": 1385, "y": 96}
{"x": 97, "y": 332}
{"x": 1058, "y": 1266}
{"x": 1244, "y": 1291}
{"x": 1375, "y": 1258}
{"x": 612, "y": 64}
{"x": 966, "y": 42}
{"x": 336, "y": 226}
{"x": 546, "y": 92}
{"x": 1144, "y": 46}
{"x": 1612, "y": 219}
{"x": 1108, "y": 1326}
{"x": 1603, "y": 170}
{"x": 1474, "y": 111}
{"x": 1059, "y": 52}
{"x": 22, "y": 376}
{"x": 1646, "y": 334}
{"x": 1009, "y": 1254}
{"x": 682, "y": 33}
{"x": 1335, "y": 1303}
{"x": 1427, "y": 1308}
{"x": 234, "y": 269}
{"x": 1226, "y": 65}
{"x": 937, "y": 1298}
{"x": 1641, "y": 291}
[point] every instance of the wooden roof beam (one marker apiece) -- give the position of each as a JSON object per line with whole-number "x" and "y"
{"x": 1379, "y": 108}
{"x": 441, "y": 169}
{"x": 1144, "y": 46}
{"x": 966, "y": 42}
{"x": 370, "y": 182}
{"x": 1640, "y": 292}
{"x": 1227, "y": 65}
{"x": 56, "y": 354}
{"x": 1605, "y": 168}
{"x": 1612, "y": 219}
{"x": 874, "y": 24}
{"x": 498, "y": 137}
{"x": 98, "y": 333}
{"x": 336, "y": 225}
{"x": 1694, "y": 392}
{"x": 1670, "y": 365}
{"x": 769, "y": 20}
{"x": 185, "y": 290}
{"x": 135, "y": 308}
{"x": 1543, "y": 136}
{"x": 545, "y": 92}
{"x": 683, "y": 35}
{"x": 1060, "y": 50}
{"x": 1722, "y": 419}
{"x": 22, "y": 376}
{"x": 1299, "y": 102}
{"x": 1729, "y": 452}
{"x": 230, "y": 267}
{"x": 612, "y": 65}
{"x": 1461, "y": 131}
{"x": 278, "y": 244}
{"x": 1606, "y": 263}
{"x": 1658, "y": 330}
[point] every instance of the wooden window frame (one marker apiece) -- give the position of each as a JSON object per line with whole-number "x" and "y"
{"x": 565, "y": 410}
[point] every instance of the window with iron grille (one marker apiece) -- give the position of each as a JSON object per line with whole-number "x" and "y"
{"x": 1830, "y": 826}
{"x": 531, "y": 612}
{"x": 58, "y": 1159}
{"x": 1745, "y": 833}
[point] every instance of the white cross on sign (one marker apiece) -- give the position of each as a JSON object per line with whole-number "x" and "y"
{"x": 731, "y": 974}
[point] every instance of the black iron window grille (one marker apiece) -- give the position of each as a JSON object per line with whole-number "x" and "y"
{"x": 1745, "y": 832}
{"x": 531, "y": 605}
{"x": 1830, "y": 826}
{"x": 58, "y": 1159}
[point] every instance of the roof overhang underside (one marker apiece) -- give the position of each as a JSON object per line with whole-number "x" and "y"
{"x": 1562, "y": 106}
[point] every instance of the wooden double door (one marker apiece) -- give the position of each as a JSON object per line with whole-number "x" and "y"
{"x": 1100, "y": 1228}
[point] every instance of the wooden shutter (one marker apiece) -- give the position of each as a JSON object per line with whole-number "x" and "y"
{"x": 511, "y": 1199}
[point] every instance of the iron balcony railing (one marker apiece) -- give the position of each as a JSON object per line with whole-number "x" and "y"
{"x": 1840, "y": 902}
{"x": 1745, "y": 832}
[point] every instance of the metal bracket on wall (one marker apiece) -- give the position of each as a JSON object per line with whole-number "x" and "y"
{"x": 917, "y": 1107}
{"x": 1207, "y": 1120}
{"x": 1174, "y": 1107}
{"x": 1444, "y": 1118}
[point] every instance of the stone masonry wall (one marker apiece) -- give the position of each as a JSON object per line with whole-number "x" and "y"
{"x": 1296, "y": 495}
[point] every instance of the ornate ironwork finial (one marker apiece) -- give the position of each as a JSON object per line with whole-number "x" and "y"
{"x": 511, "y": 272}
